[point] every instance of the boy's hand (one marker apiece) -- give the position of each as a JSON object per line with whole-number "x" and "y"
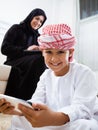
{"x": 7, "y": 108}
{"x": 40, "y": 115}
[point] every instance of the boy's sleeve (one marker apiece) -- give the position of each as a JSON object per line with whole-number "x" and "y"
{"x": 84, "y": 98}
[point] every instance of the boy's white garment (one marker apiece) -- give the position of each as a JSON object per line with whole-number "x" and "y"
{"x": 20, "y": 123}
{"x": 73, "y": 94}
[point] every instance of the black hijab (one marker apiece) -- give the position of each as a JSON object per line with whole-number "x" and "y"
{"x": 25, "y": 24}
{"x": 33, "y": 13}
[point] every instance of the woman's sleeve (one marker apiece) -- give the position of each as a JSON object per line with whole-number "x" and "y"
{"x": 84, "y": 97}
{"x": 12, "y": 45}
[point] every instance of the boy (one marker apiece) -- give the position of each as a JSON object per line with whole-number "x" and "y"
{"x": 66, "y": 92}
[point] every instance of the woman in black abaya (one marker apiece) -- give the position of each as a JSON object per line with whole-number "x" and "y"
{"x": 27, "y": 66}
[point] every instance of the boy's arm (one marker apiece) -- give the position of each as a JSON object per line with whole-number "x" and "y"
{"x": 41, "y": 116}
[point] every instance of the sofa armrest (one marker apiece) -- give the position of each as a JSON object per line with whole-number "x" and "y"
{"x": 4, "y": 75}
{"x": 4, "y": 72}
{"x": 3, "y": 86}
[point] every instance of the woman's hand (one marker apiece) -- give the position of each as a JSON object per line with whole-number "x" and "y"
{"x": 7, "y": 108}
{"x": 33, "y": 47}
{"x": 41, "y": 115}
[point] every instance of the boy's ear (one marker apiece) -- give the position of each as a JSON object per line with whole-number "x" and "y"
{"x": 71, "y": 51}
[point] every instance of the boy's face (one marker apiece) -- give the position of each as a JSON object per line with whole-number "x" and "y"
{"x": 57, "y": 60}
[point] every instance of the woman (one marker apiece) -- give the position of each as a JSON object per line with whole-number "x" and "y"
{"x": 26, "y": 66}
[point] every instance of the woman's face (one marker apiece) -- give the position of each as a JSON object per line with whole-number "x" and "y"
{"x": 37, "y": 22}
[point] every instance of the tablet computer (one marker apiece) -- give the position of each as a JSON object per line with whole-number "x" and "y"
{"x": 33, "y": 52}
{"x": 15, "y": 101}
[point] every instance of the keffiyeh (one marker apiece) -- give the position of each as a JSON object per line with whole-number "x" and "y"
{"x": 57, "y": 36}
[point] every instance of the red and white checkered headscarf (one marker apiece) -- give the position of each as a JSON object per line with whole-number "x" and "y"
{"x": 56, "y": 36}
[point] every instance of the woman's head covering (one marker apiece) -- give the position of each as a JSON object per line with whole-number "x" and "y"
{"x": 35, "y": 12}
{"x": 56, "y": 36}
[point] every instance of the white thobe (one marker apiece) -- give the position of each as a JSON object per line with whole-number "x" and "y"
{"x": 73, "y": 94}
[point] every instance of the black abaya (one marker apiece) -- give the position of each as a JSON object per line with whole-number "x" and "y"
{"x": 26, "y": 67}
{"x": 22, "y": 82}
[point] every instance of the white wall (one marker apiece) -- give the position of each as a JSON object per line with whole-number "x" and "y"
{"x": 14, "y": 11}
{"x": 88, "y": 43}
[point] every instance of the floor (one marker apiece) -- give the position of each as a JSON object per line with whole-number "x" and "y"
{"x": 5, "y": 122}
